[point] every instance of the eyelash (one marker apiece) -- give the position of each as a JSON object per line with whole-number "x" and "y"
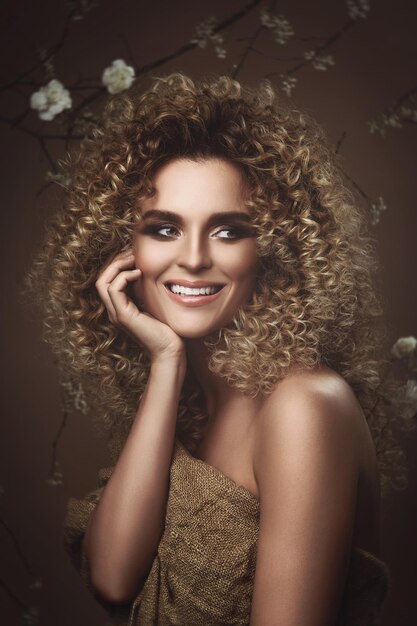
{"x": 153, "y": 230}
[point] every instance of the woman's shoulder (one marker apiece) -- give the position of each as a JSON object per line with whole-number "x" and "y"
{"x": 317, "y": 406}
{"x": 314, "y": 423}
{"x": 318, "y": 390}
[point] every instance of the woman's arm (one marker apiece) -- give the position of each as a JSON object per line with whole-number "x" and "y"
{"x": 125, "y": 529}
{"x": 306, "y": 465}
{"x": 126, "y": 526}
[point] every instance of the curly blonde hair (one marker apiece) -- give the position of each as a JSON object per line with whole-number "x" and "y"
{"x": 314, "y": 300}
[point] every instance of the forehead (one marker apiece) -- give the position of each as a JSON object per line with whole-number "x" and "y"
{"x": 209, "y": 185}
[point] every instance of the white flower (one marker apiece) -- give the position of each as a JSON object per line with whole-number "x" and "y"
{"x": 51, "y": 100}
{"x": 377, "y": 126}
{"x": 36, "y": 584}
{"x": 61, "y": 179}
{"x": 205, "y": 31}
{"x": 404, "y": 346}
{"x": 279, "y": 25}
{"x": 376, "y": 208}
{"x": 393, "y": 120}
{"x": 384, "y": 121}
{"x": 406, "y": 111}
{"x": 31, "y": 616}
{"x": 56, "y": 478}
{"x": 319, "y": 61}
{"x": 408, "y": 400}
{"x": 118, "y": 76}
{"x": 266, "y": 19}
{"x": 288, "y": 83}
{"x": 358, "y": 8}
{"x": 73, "y": 395}
{"x": 220, "y": 52}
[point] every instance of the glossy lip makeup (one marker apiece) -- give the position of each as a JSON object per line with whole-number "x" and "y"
{"x": 179, "y": 292}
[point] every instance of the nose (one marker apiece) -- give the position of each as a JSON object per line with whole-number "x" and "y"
{"x": 194, "y": 253}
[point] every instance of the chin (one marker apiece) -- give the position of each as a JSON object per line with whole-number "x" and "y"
{"x": 193, "y": 333}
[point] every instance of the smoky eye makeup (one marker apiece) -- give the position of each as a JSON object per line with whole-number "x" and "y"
{"x": 237, "y": 231}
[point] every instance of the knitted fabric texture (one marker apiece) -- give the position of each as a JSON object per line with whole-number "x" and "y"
{"x": 204, "y": 569}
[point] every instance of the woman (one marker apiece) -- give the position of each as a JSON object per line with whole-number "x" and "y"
{"x": 210, "y": 281}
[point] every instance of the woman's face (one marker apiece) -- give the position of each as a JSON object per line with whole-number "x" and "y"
{"x": 195, "y": 246}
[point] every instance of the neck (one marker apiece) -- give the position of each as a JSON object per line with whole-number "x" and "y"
{"x": 215, "y": 388}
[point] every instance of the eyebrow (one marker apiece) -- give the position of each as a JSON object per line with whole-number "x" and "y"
{"x": 216, "y": 217}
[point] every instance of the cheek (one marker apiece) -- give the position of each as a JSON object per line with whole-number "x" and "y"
{"x": 241, "y": 262}
{"x": 149, "y": 257}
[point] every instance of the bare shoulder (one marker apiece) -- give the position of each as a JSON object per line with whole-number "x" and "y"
{"x": 317, "y": 386}
{"x": 312, "y": 438}
{"x": 319, "y": 395}
{"x": 307, "y": 468}
{"x": 312, "y": 411}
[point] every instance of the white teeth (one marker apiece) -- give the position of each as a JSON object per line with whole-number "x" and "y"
{"x": 188, "y": 291}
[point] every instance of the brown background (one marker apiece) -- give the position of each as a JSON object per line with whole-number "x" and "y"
{"x": 375, "y": 63}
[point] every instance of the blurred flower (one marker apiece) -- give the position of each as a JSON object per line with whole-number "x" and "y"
{"x": 384, "y": 121}
{"x": 393, "y": 120}
{"x": 51, "y": 100}
{"x": 279, "y": 25}
{"x": 118, "y": 76}
{"x": 63, "y": 180}
{"x": 205, "y": 31}
{"x": 406, "y": 111}
{"x": 73, "y": 394}
{"x": 376, "y": 208}
{"x": 79, "y": 8}
{"x": 319, "y": 61}
{"x": 31, "y": 615}
{"x": 358, "y": 8}
{"x": 36, "y": 584}
{"x": 220, "y": 52}
{"x": 404, "y": 346}
{"x": 407, "y": 400}
{"x": 288, "y": 83}
{"x": 56, "y": 477}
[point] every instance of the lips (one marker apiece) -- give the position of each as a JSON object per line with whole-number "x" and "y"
{"x": 193, "y": 283}
{"x": 193, "y": 293}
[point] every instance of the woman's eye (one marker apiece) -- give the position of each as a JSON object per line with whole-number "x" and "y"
{"x": 228, "y": 233}
{"x": 166, "y": 231}
{"x": 161, "y": 231}
{"x": 169, "y": 231}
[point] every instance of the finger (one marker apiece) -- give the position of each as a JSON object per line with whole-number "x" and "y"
{"x": 121, "y": 303}
{"x": 120, "y": 262}
{"x": 107, "y": 276}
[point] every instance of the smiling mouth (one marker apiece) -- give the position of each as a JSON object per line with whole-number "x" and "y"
{"x": 180, "y": 290}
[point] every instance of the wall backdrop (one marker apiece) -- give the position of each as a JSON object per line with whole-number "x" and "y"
{"x": 350, "y": 63}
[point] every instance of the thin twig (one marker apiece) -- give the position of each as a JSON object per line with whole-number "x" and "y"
{"x": 238, "y": 67}
{"x": 246, "y": 52}
{"x": 191, "y": 45}
{"x": 270, "y": 56}
{"x": 13, "y": 596}
{"x": 329, "y": 42}
{"x": 48, "y": 155}
{"x": 56, "y": 441}
{"x": 17, "y": 547}
{"x": 339, "y": 143}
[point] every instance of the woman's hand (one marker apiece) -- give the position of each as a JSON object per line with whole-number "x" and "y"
{"x": 158, "y": 338}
